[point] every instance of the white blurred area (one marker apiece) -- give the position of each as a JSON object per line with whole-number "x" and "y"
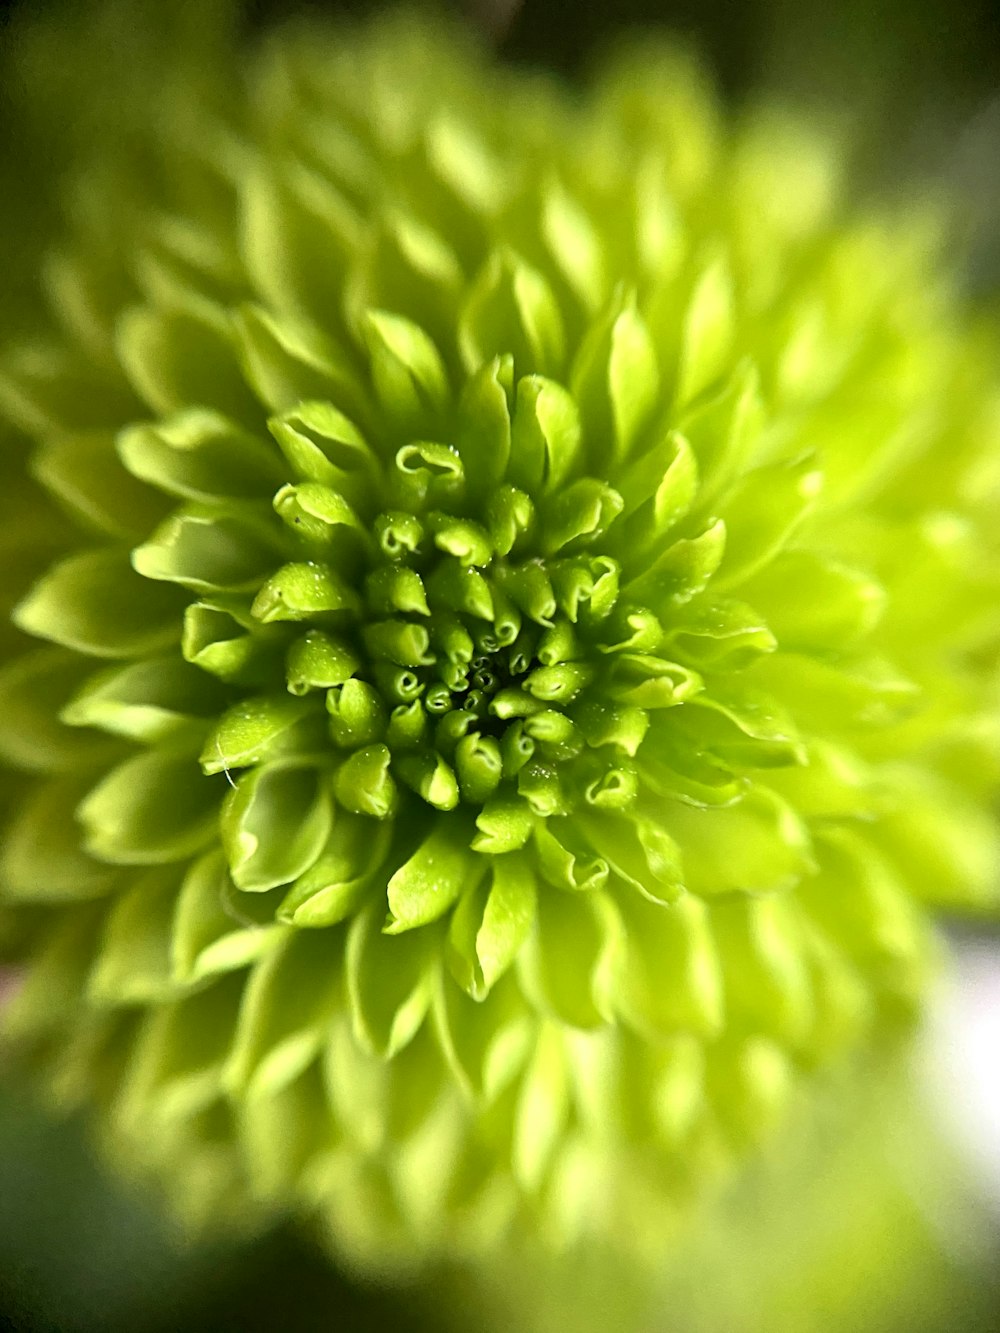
{"x": 963, "y": 1060}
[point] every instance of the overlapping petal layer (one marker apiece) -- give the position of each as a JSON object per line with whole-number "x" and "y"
{"x": 520, "y": 641}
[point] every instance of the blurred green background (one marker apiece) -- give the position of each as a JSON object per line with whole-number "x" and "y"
{"x": 919, "y": 81}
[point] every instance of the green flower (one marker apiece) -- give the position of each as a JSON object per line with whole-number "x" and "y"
{"x": 521, "y": 665}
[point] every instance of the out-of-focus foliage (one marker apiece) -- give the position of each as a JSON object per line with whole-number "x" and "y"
{"x": 858, "y": 1220}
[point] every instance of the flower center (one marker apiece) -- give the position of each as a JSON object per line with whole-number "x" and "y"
{"x": 457, "y": 637}
{"x": 479, "y": 663}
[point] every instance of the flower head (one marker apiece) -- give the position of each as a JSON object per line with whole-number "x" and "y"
{"x": 523, "y": 658}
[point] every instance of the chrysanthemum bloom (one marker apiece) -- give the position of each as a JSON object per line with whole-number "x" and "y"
{"x": 522, "y": 669}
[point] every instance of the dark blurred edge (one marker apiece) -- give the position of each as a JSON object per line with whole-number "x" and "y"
{"x": 912, "y": 45}
{"x": 81, "y": 1253}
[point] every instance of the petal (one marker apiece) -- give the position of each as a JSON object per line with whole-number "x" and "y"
{"x": 286, "y": 1014}
{"x": 133, "y": 963}
{"x": 671, "y": 980}
{"x": 682, "y": 570}
{"x": 718, "y": 635}
{"x": 750, "y": 1083}
{"x": 317, "y": 661}
{"x": 84, "y": 472}
{"x": 511, "y": 309}
{"x": 758, "y": 845}
{"x": 338, "y": 883}
{"x": 256, "y": 731}
{"x": 287, "y": 361}
{"x": 220, "y": 636}
{"x": 390, "y": 981}
{"x": 761, "y": 512}
{"x": 723, "y": 430}
{"x": 504, "y": 824}
{"x": 208, "y": 936}
{"x": 490, "y": 924}
{"x": 638, "y": 850}
{"x": 174, "y": 358}
{"x": 201, "y": 455}
{"x": 543, "y": 1108}
{"x": 42, "y": 857}
{"x": 208, "y": 551}
{"x": 430, "y": 881}
{"x": 274, "y": 824}
{"x": 156, "y": 699}
{"x": 96, "y": 603}
{"x": 320, "y": 444}
{"x": 616, "y": 381}
{"x": 815, "y": 604}
{"x": 296, "y": 232}
{"x": 409, "y": 375}
{"x": 487, "y": 1041}
{"x": 154, "y": 807}
{"x": 570, "y": 964}
{"x": 708, "y": 331}
{"x": 302, "y": 591}
{"x": 764, "y": 963}
{"x": 34, "y": 689}
{"x": 179, "y": 1060}
{"x": 289, "y": 1124}
{"x": 546, "y": 436}
{"x": 574, "y": 245}
{"x": 364, "y": 784}
{"x": 861, "y": 904}
{"x": 483, "y": 436}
